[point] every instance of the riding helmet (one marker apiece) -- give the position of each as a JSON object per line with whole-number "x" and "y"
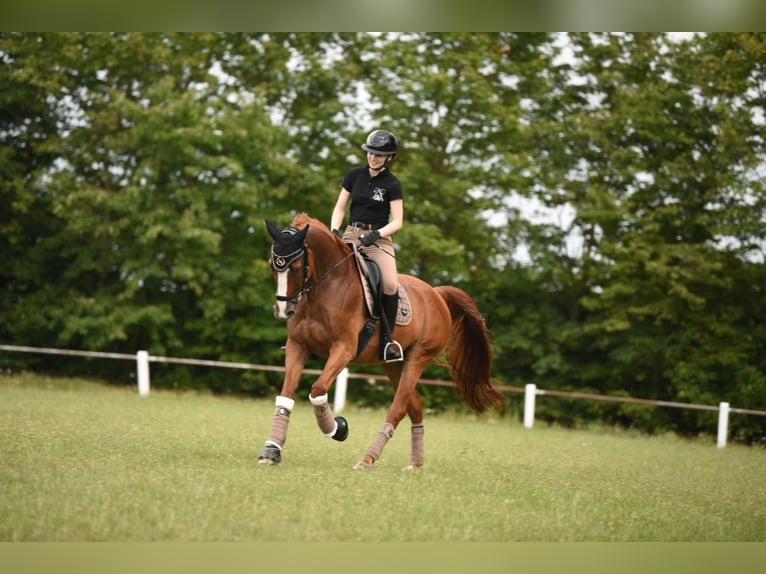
{"x": 381, "y": 142}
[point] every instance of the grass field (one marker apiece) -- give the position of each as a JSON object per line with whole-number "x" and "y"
{"x": 83, "y": 461}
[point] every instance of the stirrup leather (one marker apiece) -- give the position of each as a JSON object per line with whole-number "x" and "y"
{"x": 396, "y": 347}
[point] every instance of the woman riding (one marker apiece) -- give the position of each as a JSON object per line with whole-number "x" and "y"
{"x": 377, "y": 212}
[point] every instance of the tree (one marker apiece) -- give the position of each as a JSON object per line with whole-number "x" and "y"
{"x": 641, "y": 134}
{"x": 454, "y": 101}
{"x": 138, "y": 168}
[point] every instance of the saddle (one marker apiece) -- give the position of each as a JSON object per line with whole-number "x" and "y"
{"x": 372, "y": 286}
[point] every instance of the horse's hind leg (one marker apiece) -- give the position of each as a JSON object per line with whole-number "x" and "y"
{"x": 406, "y": 401}
{"x": 415, "y": 412}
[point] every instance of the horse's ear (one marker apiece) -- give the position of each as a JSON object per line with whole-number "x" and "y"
{"x": 273, "y": 229}
{"x": 302, "y": 233}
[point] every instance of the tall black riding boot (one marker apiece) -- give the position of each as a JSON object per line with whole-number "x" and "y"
{"x": 390, "y": 350}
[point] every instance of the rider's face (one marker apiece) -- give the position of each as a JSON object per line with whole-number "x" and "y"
{"x": 376, "y": 160}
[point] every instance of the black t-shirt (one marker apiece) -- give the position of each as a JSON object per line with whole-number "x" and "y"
{"x": 371, "y": 196}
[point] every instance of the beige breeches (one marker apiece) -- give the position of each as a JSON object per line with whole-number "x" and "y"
{"x": 383, "y": 255}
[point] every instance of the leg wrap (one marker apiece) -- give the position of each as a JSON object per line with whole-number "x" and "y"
{"x": 323, "y": 413}
{"x": 278, "y": 435}
{"x": 380, "y": 441}
{"x": 418, "y": 454}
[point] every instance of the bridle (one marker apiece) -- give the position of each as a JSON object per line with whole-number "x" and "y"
{"x": 282, "y": 263}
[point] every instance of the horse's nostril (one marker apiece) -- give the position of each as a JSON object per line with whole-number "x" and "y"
{"x": 290, "y": 313}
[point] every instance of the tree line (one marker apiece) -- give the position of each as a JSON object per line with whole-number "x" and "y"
{"x": 601, "y": 196}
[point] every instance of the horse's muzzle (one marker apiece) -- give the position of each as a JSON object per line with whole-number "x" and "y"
{"x": 284, "y": 311}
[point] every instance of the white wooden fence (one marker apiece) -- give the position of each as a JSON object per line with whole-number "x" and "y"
{"x": 531, "y": 392}
{"x": 723, "y": 408}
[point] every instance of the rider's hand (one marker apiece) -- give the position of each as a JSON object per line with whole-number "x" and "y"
{"x": 338, "y": 233}
{"x": 369, "y": 238}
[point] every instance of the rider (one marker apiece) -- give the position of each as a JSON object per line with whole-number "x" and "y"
{"x": 377, "y": 212}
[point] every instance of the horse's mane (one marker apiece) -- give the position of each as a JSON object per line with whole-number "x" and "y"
{"x": 318, "y": 231}
{"x": 303, "y": 219}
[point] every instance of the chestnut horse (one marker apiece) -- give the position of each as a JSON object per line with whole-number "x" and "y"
{"x": 320, "y": 295}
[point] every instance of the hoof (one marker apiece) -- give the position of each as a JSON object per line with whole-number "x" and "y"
{"x": 362, "y": 465}
{"x": 412, "y": 467}
{"x": 271, "y": 455}
{"x": 341, "y": 433}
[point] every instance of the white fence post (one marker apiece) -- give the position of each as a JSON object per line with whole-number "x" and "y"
{"x": 142, "y": 361}
{"x": 723, "y": 424}
{"x": 530, "y": 391}
{"x": 341, "y": 383}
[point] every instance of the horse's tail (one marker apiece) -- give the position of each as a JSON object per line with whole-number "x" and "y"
{"x": 469, "y": 353}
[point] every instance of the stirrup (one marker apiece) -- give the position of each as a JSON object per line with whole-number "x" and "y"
{"x": 393, "y": 347}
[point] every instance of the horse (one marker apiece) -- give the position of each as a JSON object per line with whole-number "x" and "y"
{"x": 321, "y": 297}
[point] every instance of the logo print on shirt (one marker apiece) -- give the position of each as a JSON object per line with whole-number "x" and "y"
{"x": 378, "y": 194}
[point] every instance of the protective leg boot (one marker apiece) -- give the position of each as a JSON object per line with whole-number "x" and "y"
{"x": 391, "y": 350}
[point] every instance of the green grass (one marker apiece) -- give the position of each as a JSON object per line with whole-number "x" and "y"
{"x": 83, "y": 461}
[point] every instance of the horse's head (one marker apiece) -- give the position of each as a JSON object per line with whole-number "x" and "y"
{"x": 290, "y": 264}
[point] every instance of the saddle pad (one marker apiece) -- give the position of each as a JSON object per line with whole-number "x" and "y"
{"x": 404, "y": 311}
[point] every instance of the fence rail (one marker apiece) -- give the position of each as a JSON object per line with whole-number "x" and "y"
{"x": 530, "y": 391}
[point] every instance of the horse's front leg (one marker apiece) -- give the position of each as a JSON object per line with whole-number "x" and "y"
{"x": 295, "y": 359}
{"x": 331, "y": 426}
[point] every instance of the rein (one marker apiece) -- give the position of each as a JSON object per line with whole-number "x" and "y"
{"x": 411, "y": 268}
